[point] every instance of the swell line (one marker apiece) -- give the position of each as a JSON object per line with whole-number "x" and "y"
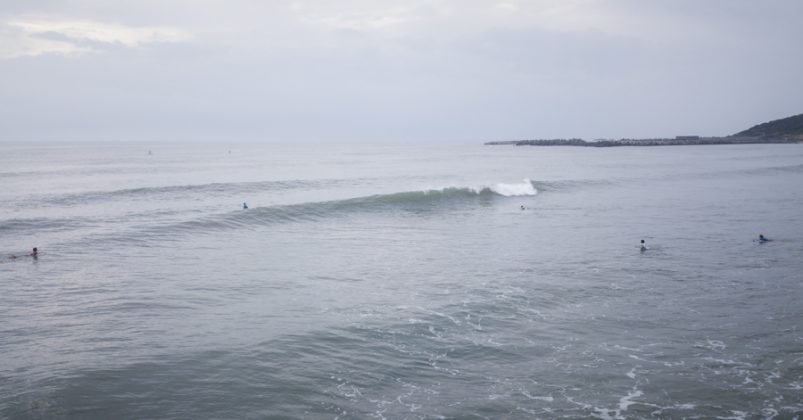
{"x": 174, "y": 192}
{"x": 411, "y": 202}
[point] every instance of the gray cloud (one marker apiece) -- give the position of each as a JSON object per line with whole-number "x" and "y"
{"x": 375, "y": 70}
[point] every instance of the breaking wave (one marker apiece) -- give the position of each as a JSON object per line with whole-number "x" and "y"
{"x": 413, "y": 202}
{"x": 165, "y": 224}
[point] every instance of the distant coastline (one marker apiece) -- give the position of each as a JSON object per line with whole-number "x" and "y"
{"x": 785, "y": 130}
{"x": 677, "y": 141}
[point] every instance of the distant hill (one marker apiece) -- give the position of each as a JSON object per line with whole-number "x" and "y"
{"x": 790, "y": 127}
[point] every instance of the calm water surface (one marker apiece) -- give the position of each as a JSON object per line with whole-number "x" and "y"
{"x": 400, "y": 282}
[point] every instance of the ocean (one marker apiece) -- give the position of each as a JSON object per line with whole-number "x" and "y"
{"x": 400, "y": 282}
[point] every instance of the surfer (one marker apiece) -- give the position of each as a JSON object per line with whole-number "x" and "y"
{"x": 762, "y": 238}
{"x": 522, "y": 206}
{"x": 643, "y": 246}
{"x": 34, "y": 253}
{"x": 245, "y": 205}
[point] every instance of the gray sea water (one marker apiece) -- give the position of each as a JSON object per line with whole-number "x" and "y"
{"x": 400, "y": 282}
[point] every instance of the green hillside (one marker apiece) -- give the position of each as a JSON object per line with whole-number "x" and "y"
{"x": 785, "y": 127}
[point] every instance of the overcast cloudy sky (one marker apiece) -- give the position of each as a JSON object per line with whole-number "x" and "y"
{"x": 378, "y": 70}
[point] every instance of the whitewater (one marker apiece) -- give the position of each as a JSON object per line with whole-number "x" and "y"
{"x": 409, "y": 281}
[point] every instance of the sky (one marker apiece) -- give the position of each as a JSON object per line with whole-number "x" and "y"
{"x": 395, "y": 71}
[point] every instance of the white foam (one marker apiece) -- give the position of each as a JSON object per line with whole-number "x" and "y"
{"x": 714, "y": 345}
{"x": 735, "y": 415}
{"x": 626, "y": 402}
{"x": 726, "y": 362}
{"x": 769, "y": 413}
{"x": 537, "y": 397}
{"x": 513, "y": 190}
{"x": 440, "y": 314}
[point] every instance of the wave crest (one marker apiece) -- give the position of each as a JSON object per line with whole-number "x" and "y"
{"x": 523, "y": 188}
{"x": 419, "y": 202}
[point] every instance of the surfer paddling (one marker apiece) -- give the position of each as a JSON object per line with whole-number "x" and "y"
{"x": 762, "y": 238}
{"x": 34, "y": 254}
